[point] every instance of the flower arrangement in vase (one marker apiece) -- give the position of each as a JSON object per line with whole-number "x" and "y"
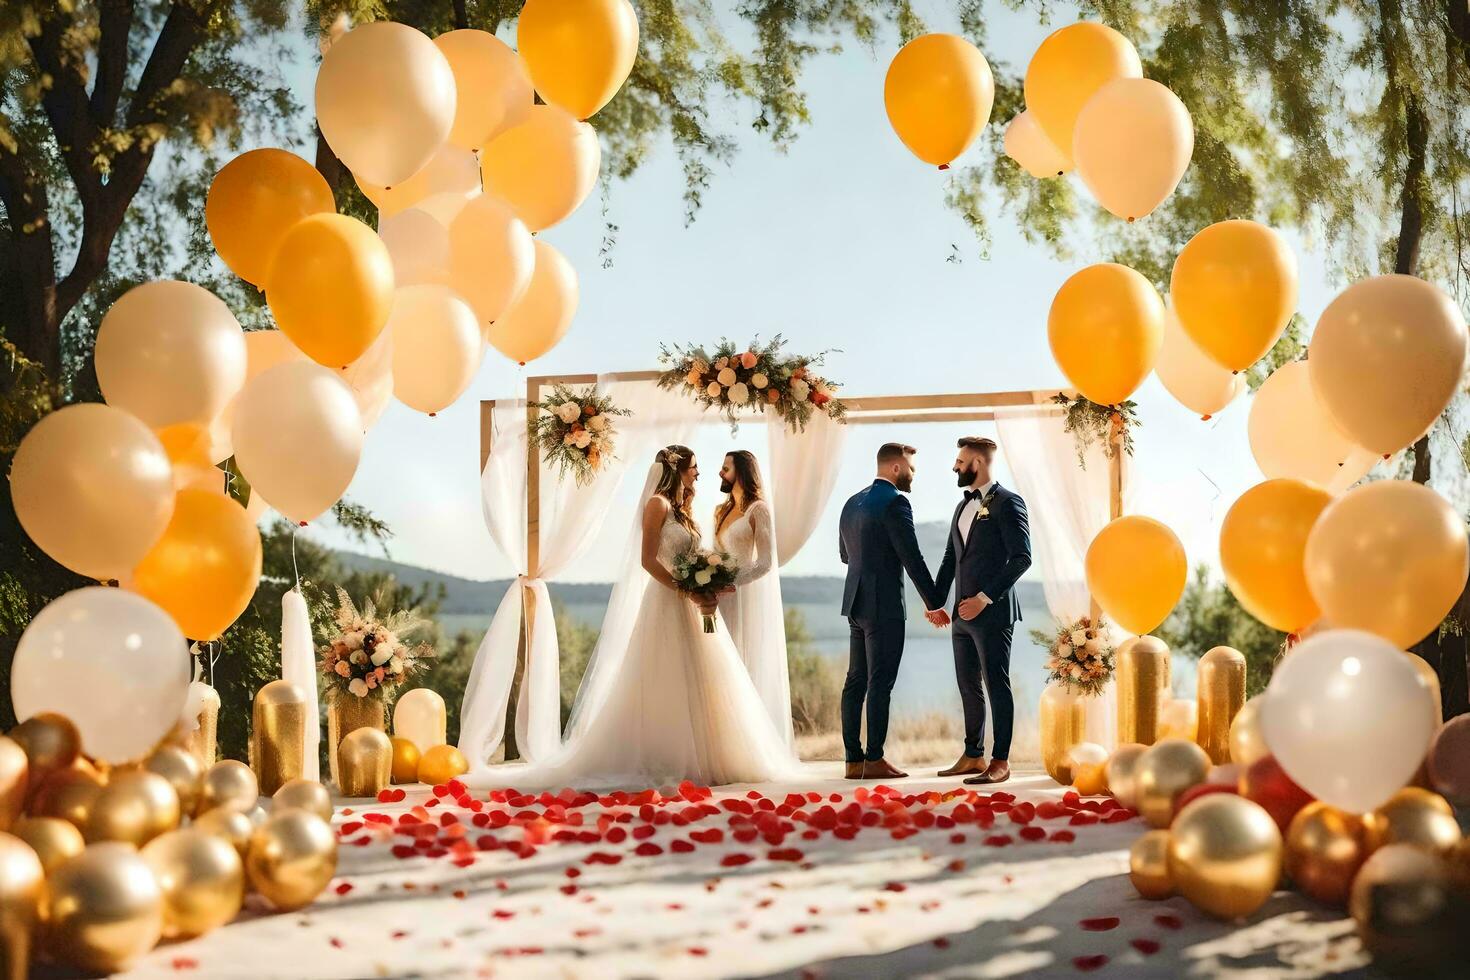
{"x": 368, "y": 658}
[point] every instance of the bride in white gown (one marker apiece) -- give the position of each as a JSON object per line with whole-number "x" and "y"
{"x": 753, "y": 612}
{"x": 672, "y": 702}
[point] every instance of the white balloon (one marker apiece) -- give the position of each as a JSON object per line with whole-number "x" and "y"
{"x": 1292, "y": 436}
{"x": 371, "y": 379}
{"x": 418, "y": 245}
{"x": 437, "y": 347}
{"x": 1346, "y": 719}
{"x": 298, "y": 438}
{"x": 451, "y": 170}
{"x": 419, "y": 717}
{"x": 1027, "y": 144}
{"x": 385, "y": 101}
{"x": 1195, "y": 379}
{"x": 445, "y": 207}
{"x": 264, "y": 349}
{"x": 491, "y": 257}
{"x": 109, "y": 660}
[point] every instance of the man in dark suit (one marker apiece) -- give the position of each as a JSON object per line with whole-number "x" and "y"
{"x": 989, "y": 548}
{"x": 878, "y": 545}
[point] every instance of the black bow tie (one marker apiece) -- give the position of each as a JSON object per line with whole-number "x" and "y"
{"x": 974, "y": 494}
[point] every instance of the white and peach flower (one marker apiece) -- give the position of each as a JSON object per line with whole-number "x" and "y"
{"x": 584, "y": 439}
{"x": 704, "y": 577}
{"x": 1078, "y": 638}
{"x": 597, "y": 423}
{"x": 694, "y": 377}
{"x": 800, "y": 390}
{"x": 713, "y": 390}
{"x": 726, "y": 377}
{"x": 358, "y": 686}
{"x": 568, "y": 412}
{"x": 739, "y": 394}
{"x": 759, "y": 381}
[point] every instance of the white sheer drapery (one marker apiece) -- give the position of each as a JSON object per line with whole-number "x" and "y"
{"x": 803, "y": 471}
{"x": 570, "y": 519}
{"x": 298, "y": 665}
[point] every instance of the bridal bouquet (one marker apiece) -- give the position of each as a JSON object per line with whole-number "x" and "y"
{"x": 367, "y": 657}
{"x": 576, "y": 431}
{"x": 734, "y": 379}
{"x": 1081, "y": 656}
{"x": 705, "y": 573}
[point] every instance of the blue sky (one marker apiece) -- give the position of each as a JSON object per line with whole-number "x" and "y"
{"x": 840, "y": 242}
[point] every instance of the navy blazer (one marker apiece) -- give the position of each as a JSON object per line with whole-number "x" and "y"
{"x": 877, "y": 542}
{"x": 996, "y": 555}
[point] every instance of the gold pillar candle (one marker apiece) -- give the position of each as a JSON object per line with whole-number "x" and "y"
{"x": 1221, "y": 696}
{"x": 346, "y": 713}
{"x": 278, "y": 735}
{"x": 22, "y": 881}
{"x": 1143, "y": 683}
{"x": 365, "y": 763}
{"x": 421, "y": 717}
{"x": 1063, "y": 724}
{"x": 202, "y": 741}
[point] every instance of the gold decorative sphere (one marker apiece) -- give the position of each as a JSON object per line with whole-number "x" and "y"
{"x": 405, "y": 760}
{"x": 1122, "y": 773}
{"x": 1247, "y": 744}
{"x": 1225, "y": 855}
{"x": 441, "y": 763}
{"x": 14, "y": 781}
{"x": 1408, "y": 916}
{"x": 1412, "y": 816}
{"x": 182, "y": 769}
{"x": 1148, "y": 865}
{"x": 103, "y": 909}
{"x": 1324, "y": 850}
{"x": 51, "y": 742}
{"x": 134, "y": 807}
{"x": 231, "y": 824}
{"x": 202, "y": 879}
{"x": 22, "y": 891}
{"x": 68, "y": 795}
{"x": 53, "y": 839}
{"x": 303, "y": 794}
{"x": 228, "y": 783}
{"x": 1165, "y": 770}
{"x": 291, "y": 858}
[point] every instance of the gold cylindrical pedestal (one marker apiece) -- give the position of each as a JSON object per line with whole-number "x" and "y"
{"x": 1143, "y": 683}
{"x": 278, "y": 735}
{"x": 1063, "y": 725}
{"x": 203, "y": 740}
{"x": 1221, "y": 694}
{"x": 345, "y": 714}
{"x": 365, "y": 763}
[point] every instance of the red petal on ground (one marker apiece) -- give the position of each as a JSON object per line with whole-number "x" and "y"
{"x": 385, "y": 796}
{"x": 998, "y": 840}
{"x": 895, "y": 886}
{"x": 1169, "y": 921}
{"x": 1147, "y": 947}
{"x": 1100, "y": 924}
{"x": 648, "y": 849}
{"x": 1088, "y": 963}
{"x": 644, "y": 832}
{"x": 349, "y": 828}
{"x": 735, "y": 860}
{"x": 1083, "y": 818}
{"x": 343, "y": 888}
{"x": 1063, "y": 836}
{"x": 956, "y": 838}
{"x": 698, "y": 951}
{"x": 786, "y": 854}
{"x": 184, "y": 963}
{"x": 1033, "y": 833}
{"x": 941, "y": 943}
{"x": 402, "y": 851}
{"x": 1118, "y": 816}
{"x": 681, "y": 846}
{"x": 569, "y": 889}
{"x": 956, "y": 866}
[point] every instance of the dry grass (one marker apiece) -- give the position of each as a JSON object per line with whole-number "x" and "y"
{"x": 916, "y": 740}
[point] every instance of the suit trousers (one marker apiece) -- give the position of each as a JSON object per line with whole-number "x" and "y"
{"x": 875, "y": 647}
{"x": 982, "y": 652}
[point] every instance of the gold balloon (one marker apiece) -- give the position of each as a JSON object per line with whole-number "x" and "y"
{"x": 202, "y": 879}
{"x": 1143, "y": 683}
{"x": 303, "y": 794}
{"x": 291, "y": 858}
{"x": 441, "y": 764}
{"x": 493, "y": 88}
{"x": 578, "y": 52}
{"x": 103, "y": 909}
{"x": 53, "y": 839}
{"x": 364, "y": 763}
{"x": 1406, "y": 910}
{"x": 22, "y": 881}
{"x": 278, "y": 735}
{"x": 1122, "y": 773}
{"x": 14, "y": 780}
{"x": 134, "y": 807}
{"x": 1263, "y": 541}
{"x": 1148, "y": 865}
{"x": 544, "y": 167}
{"x": 254, "y": 200}
{"x": 1221, "y": 695}
{"x": 1132, "y": 143}
{"x": 1413, "y": 816}
{"x": 1247, "y": 744}
{"x": 1067, "y": 70}
{"x": 1324, "y": 850}
{"x": 1225, "y": 855}
{"x": 1136, "y": 570}
{"x": 1163, "y": 772}
{"x": 228, "y": 783}
{"x": 1242, "y": 265}
{"x": 405, "y": 761}
{"x": 229, "y": 823}
{"x": 68, "y": 795}
{"x": 938, "y": 93}
{"x": 1105, "y": 327}
{"x": 538, "y": 321}
{"x": 183, "y": 771}
{"x": 51, "y": 743}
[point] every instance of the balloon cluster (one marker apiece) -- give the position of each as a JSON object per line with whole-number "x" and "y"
{"x": 98, "y": 864}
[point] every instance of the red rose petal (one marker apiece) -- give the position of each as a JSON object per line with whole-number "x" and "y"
{"x": 1100, "y": 924}
{"x": 1088, "y": 963}
{"x": 343, "y": 888}
{"x": 681, "y": 846}
{"x": 998, "y": 840}
{"x": 648, "y": 849}
{"x": 1169, "y": 921}
{"x": 895, "y": 886}
{"x": 1032, "y": 832}
{"x": 941, "y": 943}
{"x": 735, "y": 860}
{"x": 1147, "y": 947}
{"x": 1063, "y": 836}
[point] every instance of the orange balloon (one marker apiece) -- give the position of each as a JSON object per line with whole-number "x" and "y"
{"x": 1263, "y": 542}
{"x": 1390, "y": 557}
{"x": 1106, "y": 327}
{"x": 1234, "y": 288}
{"x": 254, "y": 200}
{"x": 1136, "y": 571}
{"x": 451, "y": 170}
{"x": 493, "y": 87}
{"x": 938, "y": 94}
{"x": 579, "y": 52}
{"x": 204, "y": 570}
{"x": 544, "y": 168}
{"x": 331, "y": 288}
{"x": 1132, "y": 143}
{"x": 543, "y": 315}
{"x": 1027, "y": 144}
{"x": 440, "y": 764}
{"x": 1068, "y": 69}
{"x": 405, "y": 761}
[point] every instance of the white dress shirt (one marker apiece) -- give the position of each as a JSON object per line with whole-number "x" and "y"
{"x": 972, "y": 507}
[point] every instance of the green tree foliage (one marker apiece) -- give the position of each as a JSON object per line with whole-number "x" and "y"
{"x": 1209, "y": 616}
{"x": 816, "y": 681}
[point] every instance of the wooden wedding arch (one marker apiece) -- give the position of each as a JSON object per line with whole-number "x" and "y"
{"x": 863, "y": 410}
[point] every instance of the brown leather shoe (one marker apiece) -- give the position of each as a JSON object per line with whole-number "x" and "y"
{"x": 965, "y": 766}
{"x": 881, "y": 770}
{"x": 998, "y": 772}
{"x": 854, "y": 770}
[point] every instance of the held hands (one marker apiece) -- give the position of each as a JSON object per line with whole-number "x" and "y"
{"x": 973, "y": 606}
{"x": 938, "y": 617}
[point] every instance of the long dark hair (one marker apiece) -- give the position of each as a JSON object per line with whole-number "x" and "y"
{"x": 675, "y": 461}
{"x": 748, "y": 479}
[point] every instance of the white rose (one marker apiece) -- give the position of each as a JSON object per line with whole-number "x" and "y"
{"x": 357, "y": 657}
{"x": 395, "y": 665}
{"x": 739, "y": 394}
{"x": 713, "y": 390}
{"x": 759, "y": 380}
{"x": 568, "y": 412}
{"x": 683, "y": 573}
{"x": 1079, "y": 638}
{"x": 704, "y": 577}
{"x": 358, "y": 686}
{"x": 380, "y": 657}
{"x": 597, "y": 423}
{"x": 1093, "y": 645}
{"x": 713, "y": 561}
{"x": 800, "y": 390}
{"x": 584, "y": 439}
{"x": 726, "y": 376}
{"x": 1064, "y": 651}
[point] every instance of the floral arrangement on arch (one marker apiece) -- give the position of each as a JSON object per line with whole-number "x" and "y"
{"x": 576, "y": 431}
{"x": 1088, "y": 422}
{"x": 368, "y": 657}
{"x": 1081, "y": 656}
{"x": 732, "y": 380}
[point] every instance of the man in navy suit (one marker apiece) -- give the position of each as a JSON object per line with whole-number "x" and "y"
{"x": 878, "y": 544}
{"x": 989, "y": 548}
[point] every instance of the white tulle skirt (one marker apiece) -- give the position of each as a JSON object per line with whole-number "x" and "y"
{"x": 682, "y": 706}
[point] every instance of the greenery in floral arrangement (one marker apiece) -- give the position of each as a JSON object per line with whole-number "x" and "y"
{"x": 1088, "y": 422}
{"x": 368, "y": 656}
{"x": 1079, "y": 655}
{"x": 576, "y": 432}
{"x": 731, "y": 380}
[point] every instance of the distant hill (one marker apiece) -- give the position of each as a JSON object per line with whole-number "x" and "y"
{"x": 465, "y": 596}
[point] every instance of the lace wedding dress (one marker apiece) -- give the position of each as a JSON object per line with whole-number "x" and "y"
{"x": 678, "y": 706}
{"x": 753, "y": 612}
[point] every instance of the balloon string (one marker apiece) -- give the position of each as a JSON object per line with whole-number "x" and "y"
{"x": 295, "y": 570}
